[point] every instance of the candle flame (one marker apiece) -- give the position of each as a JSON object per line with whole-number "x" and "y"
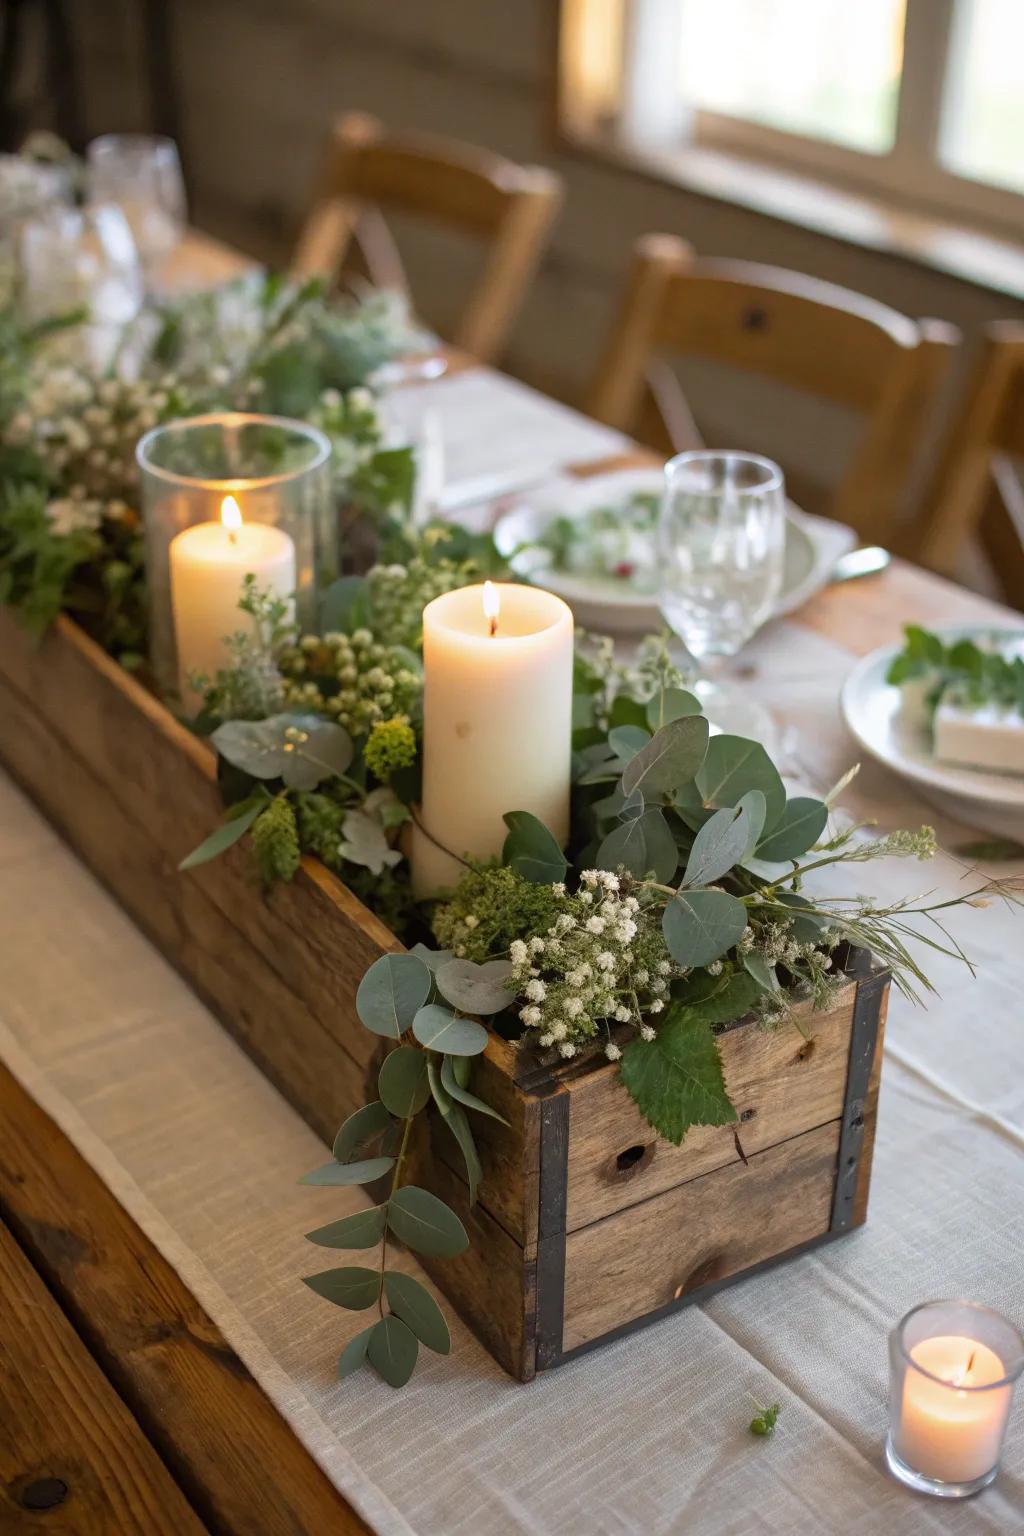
{"x": 492, "y": 605}
{"x": 230, "y": 515}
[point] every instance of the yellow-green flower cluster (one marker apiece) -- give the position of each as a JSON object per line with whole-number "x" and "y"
{"x": 399, "y": 593}
{"x": 350, "y": 678}
{"x": 390, "y": 746}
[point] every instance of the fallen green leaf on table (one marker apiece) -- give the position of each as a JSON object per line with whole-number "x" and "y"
{"x": 763, "y": 1422}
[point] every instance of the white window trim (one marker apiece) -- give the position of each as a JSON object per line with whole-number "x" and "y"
{"x": 911, "y": 173}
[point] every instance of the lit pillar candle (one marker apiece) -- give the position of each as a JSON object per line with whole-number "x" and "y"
{"x": 949, "y": 1428}
{"x": 209, "y": 563}
{"x": 497, "y": 723}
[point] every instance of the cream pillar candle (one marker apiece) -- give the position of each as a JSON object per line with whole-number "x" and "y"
{"x": 949, "y": 1429}
{"x": 208, "y": 564}
{"x": 497, "y": 723}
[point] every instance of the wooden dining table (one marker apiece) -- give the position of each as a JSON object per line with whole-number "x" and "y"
{"x": 122, "y": 1406}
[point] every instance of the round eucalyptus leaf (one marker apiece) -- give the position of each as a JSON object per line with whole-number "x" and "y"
{"x": 671, "y": 704}
{"x": 363, "y": 1172}
{"x": 531, "y": 850}
{"x": 797, "y": 829}
{"x": 641, "y": 846}
{"x": 476, "y": 988}
{"x": 671, "y": 758}
{"x": 360, "y": 1129}
{"x": 363, "y": 1229}
{"x": 733, "y": 766}
{"x": 425, "y": 1224}
{"x": 722, "y": 842}
{"x": 354, "y": 1353}
{"x": 402, "y": 1083}
{"x": 413, "y": 1303}
{"x": 701, "y": 926}
{"x": 627, "y": 740}
{"x": 755, "y": 964}
{"x": 390, "y": 993}
{"x": 392, "y": 1351}
{"x": 353, "y": 1287}
{"x": 439, "y": 1029}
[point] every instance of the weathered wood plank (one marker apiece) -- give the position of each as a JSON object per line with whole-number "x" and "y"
{"x": 642, "y": 1258}
{"x": 72, "y": 1457}
{"x": 780, "y": 1082}
{"x": 258, "y": 1006}
{"x": 240, "y": 1465}
{"x": 867, "y": 1149}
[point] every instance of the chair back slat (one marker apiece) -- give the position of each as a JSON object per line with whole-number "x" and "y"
{"x": 367, "y": 173}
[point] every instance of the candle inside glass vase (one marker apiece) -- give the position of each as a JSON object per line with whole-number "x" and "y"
{"x": 209, "y": 563}
{"x": 954, "y": 1365}
{"x": 497, "y": 724}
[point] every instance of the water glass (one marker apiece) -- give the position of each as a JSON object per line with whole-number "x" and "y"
{"x": 72, "y": 259}
{"x": 720, "y": 544}
{"x": 142, "y": 175}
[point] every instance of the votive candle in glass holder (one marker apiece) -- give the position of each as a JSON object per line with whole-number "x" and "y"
{"x": 225, "y": 497}
{"x": 953, "y": 1367}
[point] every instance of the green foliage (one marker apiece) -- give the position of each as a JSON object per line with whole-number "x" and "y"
{"x": 490, "y": 907}
{"x": 419, "y": 1311}
{"x": 391, "y": 994}
{"x": 352, "y": 1287}
{"x": 363, "y": 1229}
{"x": 227, "y": 834}
{"x": 402, "y": 1084}
{"x": 531, "y": 850}
{"x": 734, "y": 766}
{"x": 439, "y": 1029}
{"x": 391, "y": 745}
{"x": 425, "y": 1224}
{"x": 392, "y": 1350}
{"x": 764, "y": 1421}
{"x": 702, "y": 926}
{"x": 673, "y": 756}
{"x": 972, "y": 673}
{"x": 676, "y": 1079}
{"x": 300, "y": 750}
{"x": 475, "y": 988}
{"x": 275, "y": 842}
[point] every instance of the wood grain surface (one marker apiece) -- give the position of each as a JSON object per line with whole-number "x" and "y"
{"x": 73, "y": 1460}
{"x": 237, "y": 1461}
{"x": 650, "y": 1254}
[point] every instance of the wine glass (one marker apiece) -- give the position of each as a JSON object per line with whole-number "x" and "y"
{"x": 142, "y": 175}
{"x": 80, "y": 259}
{"x": 720, "y": 545}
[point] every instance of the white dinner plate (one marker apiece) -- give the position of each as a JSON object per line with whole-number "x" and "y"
{"x": 897, "y": 734}
{"x": 813, "y": 545}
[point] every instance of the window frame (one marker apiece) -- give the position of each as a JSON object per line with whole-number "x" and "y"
{"x": 911, "y": 173}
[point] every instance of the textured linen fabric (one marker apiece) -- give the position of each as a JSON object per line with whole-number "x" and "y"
{"x": 646, "y": 1436}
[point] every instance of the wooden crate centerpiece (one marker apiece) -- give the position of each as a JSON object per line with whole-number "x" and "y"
{"x": 587, "y": 1223}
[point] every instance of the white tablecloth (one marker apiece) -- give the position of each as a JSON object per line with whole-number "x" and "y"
{"x": 644, "y": 1437}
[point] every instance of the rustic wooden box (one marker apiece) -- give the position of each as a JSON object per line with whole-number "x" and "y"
{"x": 587, "y": 1224}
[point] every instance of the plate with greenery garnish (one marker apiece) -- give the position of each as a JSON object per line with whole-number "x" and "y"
{"x": 890, "y": 700}
{"x": 592, "y": 542}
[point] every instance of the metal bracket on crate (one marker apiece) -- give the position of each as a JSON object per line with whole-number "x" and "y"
{"x": 867, "y": 1014}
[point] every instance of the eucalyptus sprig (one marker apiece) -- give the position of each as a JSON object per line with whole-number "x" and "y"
{"x": 418, "y": 1002}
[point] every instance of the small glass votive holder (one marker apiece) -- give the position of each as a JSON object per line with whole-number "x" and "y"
{"x": 953, "y": 1366}
{"x": 226, "y": 497}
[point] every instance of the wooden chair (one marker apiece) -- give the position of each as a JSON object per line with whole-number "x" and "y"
{"x": 811, "y": 335}
{"x": 507, "y": 205}
{"x": 975, "y": 490}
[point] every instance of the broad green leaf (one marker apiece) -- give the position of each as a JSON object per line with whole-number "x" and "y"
{"x": 425, "y": 1224}
{"x": 701, "y": 926}
{"x": 391, "y": 992}
{"x": 364, "y": 1172}
{"x": 716, "y": 999}
{"x": 797, "y": 829}
{"x": 434, "y": 958}
{"x": 641, "y": 846}
{"x": 627, "y": 740}
{"x": 225, "y": 836}
{"x": 360, "y": 1129}
{"x": 476, "y": 988}
{"x": 721, "y": 842}
{"x": 354, "y": 1353}
{"x": 300, "y": 749}
{"x": 392, "y": 1351}
{"x": 345, "y": 605}
{"x": 413, "y": 1303}
{"x": 455, "y": 1089}
{"x": 456, "y": 1120}
{"x": 676, "y": 1079}
{"x": 353, "y": 1287}
{"x": 671, "y": 704}
{"x": 805, "y": 926}
{"x": 402, "y": 1083}
{"x": 672, "y": 757}
{"x": 733, "y": 766}
{"x": 439, "y": 1029}
{"x": 761, "y": 971}
{"x": 626, "y": 710}
{"x": 363, "y": 1229}
{"x": 531, "y": 850}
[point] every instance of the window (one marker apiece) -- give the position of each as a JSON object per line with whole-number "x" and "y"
{"x": 922, "y": 100}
